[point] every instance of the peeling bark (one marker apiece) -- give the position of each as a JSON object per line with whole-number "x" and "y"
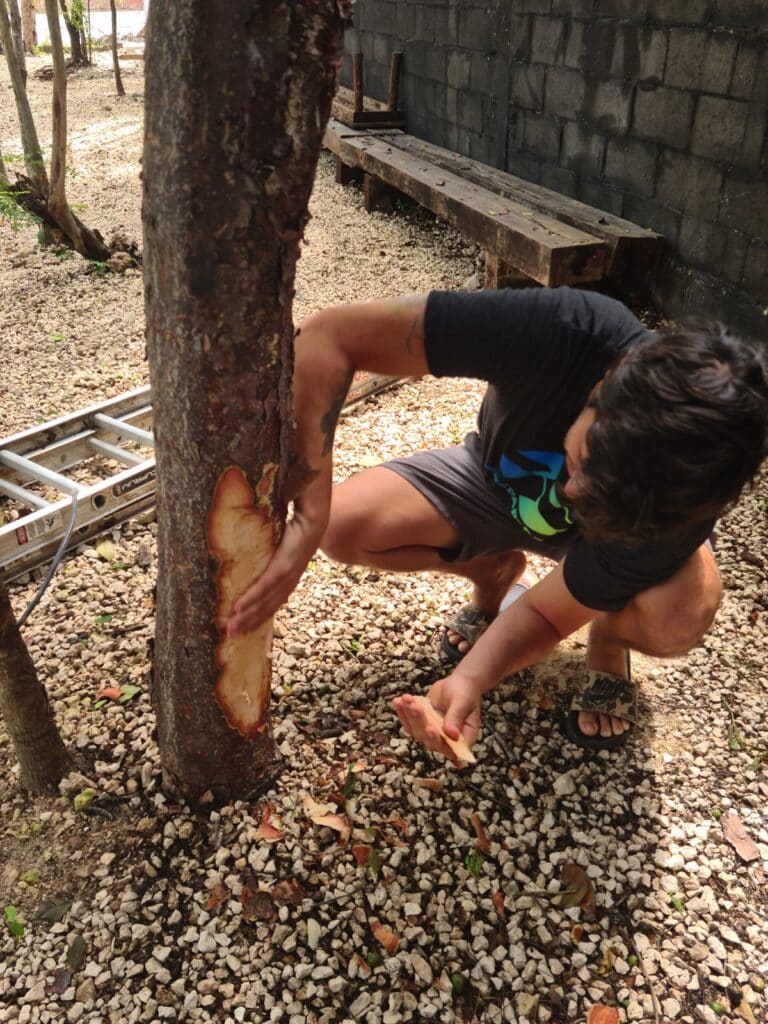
{"x": 43, "y": 758}
{"x": 236, "y": 109}
{"x": 28, "y": 26}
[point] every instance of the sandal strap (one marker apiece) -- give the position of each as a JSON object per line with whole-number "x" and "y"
{"x": 470, "y": 622}
{"x": 608, "y": 694}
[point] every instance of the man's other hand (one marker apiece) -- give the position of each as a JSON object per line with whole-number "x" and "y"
{"x": 456, "y": 700}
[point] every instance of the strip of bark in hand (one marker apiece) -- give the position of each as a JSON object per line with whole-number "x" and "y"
{"x": 459, "y": 747}
{"x": 242, "y": 535}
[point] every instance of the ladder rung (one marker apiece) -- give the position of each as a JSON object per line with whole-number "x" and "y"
{"x": 41, "y": 473}
{"x": 124, "y": 429}
{"x": 113, "y": 452}
{"x": 22, "y": 494}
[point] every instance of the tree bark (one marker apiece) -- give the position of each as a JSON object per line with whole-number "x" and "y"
{"x": 18, "y": 40}
{"x": 82, "y": 240}
{"x": 33, "y": 157}
{"x": 3, "y": 172}
{"x": 28, "y": 25}
{"x": 115, "y": 59}
{"x": 24, "y": 707}
{"x": 73, "y": 29}
{"x": 236, "y": 108}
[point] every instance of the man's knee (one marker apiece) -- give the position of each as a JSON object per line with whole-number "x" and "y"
{"x": 671, "y": 633}
{"x": 341, "y": 540}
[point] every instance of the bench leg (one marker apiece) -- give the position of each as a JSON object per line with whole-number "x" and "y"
{"x": 377, "y": 195}
{"x": 499, "y": 274}
{"x": 346, "y": 174}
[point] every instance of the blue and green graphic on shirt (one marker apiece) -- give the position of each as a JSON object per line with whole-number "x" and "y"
{"x": 530, "y": 484}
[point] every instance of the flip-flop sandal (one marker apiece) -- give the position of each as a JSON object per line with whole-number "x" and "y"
{"x": 470, "y": 622}
{"x": 607, "y": 694}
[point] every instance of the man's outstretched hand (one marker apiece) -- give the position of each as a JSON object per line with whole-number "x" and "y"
{"x": 272, "y": 589}
{"x": 460, "y": 708}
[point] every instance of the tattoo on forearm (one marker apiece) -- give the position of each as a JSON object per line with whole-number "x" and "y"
{"x": 415, "y": 331}
{"x": 330, "y": 417}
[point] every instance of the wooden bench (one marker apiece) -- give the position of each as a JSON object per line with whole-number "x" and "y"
{"x": 529, "y": 233}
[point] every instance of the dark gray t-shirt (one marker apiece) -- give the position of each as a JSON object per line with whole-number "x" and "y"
{"x": 542, "y": 350}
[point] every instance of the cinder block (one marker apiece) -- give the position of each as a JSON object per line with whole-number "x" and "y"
{"x": 482, "y": 75}
{"x": 701, "y": 243}
{"x": 426, "y": 61}
{"x": 558, "y": 178}
{"x": 520, "y": 30}
{"x": 598, "y": 194}
{"x": 405, "y": 23}
{"x": 524, "y": 165}
{"x": 631, "y": 164}
{"x": 700, "y": 60}
{"x": 649, "y": 214}
{"x": 424, "y": 23}
{"x": 564, "y": 92}
{"x": 542, "y": 136}
{"x": 477, "y": 30}
{"x": 533, "y": 6}
{"x": 582, "y": 150}
{"x": 640, "y": 53}
{"x": 548, "y": 40}
{"x": 597, "y": 43}
{"x": 382, "y": 48}
{"x": 573, "y": 8}
{"x": 664, "y": 115}
{"x": 379, "y": 16}
{"x": 446, "y": 24}
{"x": 527, "y": 86}
{"x": 753, "y": 144}
{"x": 608, "y": 103}
{"x": 749, "y": 14}
{"x": 719, "y": 128}
{"x": 482, "y": 147}
{"x": 687, "y": 183}
{"x": 755, "y": 276}
{"x": 451, "y": 104}
{"x": 457, "y": 69}
{"x": 680, "y": 12}
{"x": 470, "y": 110}
{"x": 751, "y": 55}
{"x": 743, "y": 207}
{"x": 627, "y": 9}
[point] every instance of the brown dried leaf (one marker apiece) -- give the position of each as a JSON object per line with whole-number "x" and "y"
{"x": 385, "y": 936}
{"x": 287, "y": 892}
{"x": 61, "y": 981}
{"x": 219, "y": 893}
{"x": 576, "y": 932}
{"x": 363, "y": 967}
{"x": 109, "y": 693}
{"x": 434, "y": 784}
{"x": 258, "y": 904}
{"x": 498, "y": 902}
{"x": 320, "y": 816}
{"x": 266, "y": 831}
{"x": 578, "y": 890}
{"x": 361, "y": 854}
{"x": 738, "y": 837}
{"x": 599, "y": 1014}
{"x": 482, "y": 842}
{"x": 744, "y": 1010}
{"x": 398, "y": 823}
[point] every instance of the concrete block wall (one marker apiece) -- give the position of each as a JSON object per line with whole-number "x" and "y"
{"x": 652, "y": 109}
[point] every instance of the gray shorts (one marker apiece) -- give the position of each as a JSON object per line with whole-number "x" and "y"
{"x": 452, "y": 479}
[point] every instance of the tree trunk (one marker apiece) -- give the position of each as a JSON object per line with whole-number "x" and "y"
{"x": 224, "y": 211}
{"x": 115, "y": 58}
{"x": 28, "y": 25}
{"x": 18, "y": 40}
{"x": 82, "y": 240}
{"x": 24, "y": 707}
{"x": 73, "y": 29}
{"x": 3, "y": 172}
{"x": 33, "y": 157}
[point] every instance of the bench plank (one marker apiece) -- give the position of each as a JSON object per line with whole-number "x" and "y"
{"x": 632, "y": 249}
{"x": 545, "y": 249}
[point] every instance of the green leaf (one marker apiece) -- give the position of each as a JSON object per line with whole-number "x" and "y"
{"x": 473, "y": 863}
{"x": 76, "y": 954}
{"x": 374, "y": 860}
{"x": 15, "y": 927}
{"x": 128, "y": 692}
{"x": 676, "y": 902}
{"x": 458, "y": 983}
{"x": 101, "y": 619}
{"x": 717, "y": 1008}
{"x": 84, "y": 798}
{"x": 349, "y": 786}
{"x": 105, "y": 549}
{"x": 120, "y": 565}
{"x": 58, "y": 337}
{"x": 99, "y": 704}
{"x": 374, "y": 959}
{"x": 717, "y": 813}
{"x": 31, "y": 877}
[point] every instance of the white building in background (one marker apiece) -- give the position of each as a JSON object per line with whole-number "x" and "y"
{"x": 129, "y": 22}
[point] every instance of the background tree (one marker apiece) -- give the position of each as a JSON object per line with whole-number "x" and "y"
{"x": 115, "y": 57}
{"x": 18, "y": 39}
{"x": 74, "y": 19}
{"x": 28, "y": 25}
{"x": 47, "y": 202}
{"x": 24, "y": 707}
{"x": 235, "y": 112}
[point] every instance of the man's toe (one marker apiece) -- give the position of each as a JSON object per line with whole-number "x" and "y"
{"x": 588, "y": 723}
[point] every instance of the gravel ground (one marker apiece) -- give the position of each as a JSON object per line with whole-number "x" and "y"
{"x": 459, "y": 896}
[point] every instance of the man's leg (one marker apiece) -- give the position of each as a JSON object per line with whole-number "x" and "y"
{"x": 665, "y": 621}
{"x": 379, "y": 519}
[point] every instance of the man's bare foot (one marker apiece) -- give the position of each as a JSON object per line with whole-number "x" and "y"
{"x": 492, "y": 576}
{"x": 614, "y": 659}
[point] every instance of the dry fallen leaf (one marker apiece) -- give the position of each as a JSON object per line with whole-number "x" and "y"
{"x": 109, "y": 693}
{"x": 459, "y": 748}
{"x": 498, "y": 902}
{"x": 361, "y": 854}
{"x": 483, "y": 843}
{"x": 578, "y": 890}
{"x": 397, "y": 823}
{"x": 106, "y": 551}
{"x": 320, "y": 816}
{"x": 258, "y": 904}
{"x": 287, "y": 892}
{"x": 266, "y": 831}
{"x": 599, "y": 1014}
{"x": 434, "y": 784}
{"x": 218, "y": 894}
{"x": 744, "y": 1010}
{"x": 738, "y": 837}
{"x": 385, "y": 936}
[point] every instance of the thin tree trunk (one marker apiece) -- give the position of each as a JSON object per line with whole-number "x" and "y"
{"x": 24, "y": 707}
{"x": 223, "y": 218}
{"x": 73, "y": 30}
{"x": 115, "y": 58}
{"x": 28, "y": 25}
{"x": 84, "y": 241}
{"x": 3, "y": 172}
{"x": 33, "y": 157}
{"x": 18, "y": 40}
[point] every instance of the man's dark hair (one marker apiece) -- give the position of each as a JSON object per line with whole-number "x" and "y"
{"x": 681, "y": 425}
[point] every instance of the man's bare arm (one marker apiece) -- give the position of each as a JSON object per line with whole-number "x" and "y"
{"x": 385, "y": 336}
